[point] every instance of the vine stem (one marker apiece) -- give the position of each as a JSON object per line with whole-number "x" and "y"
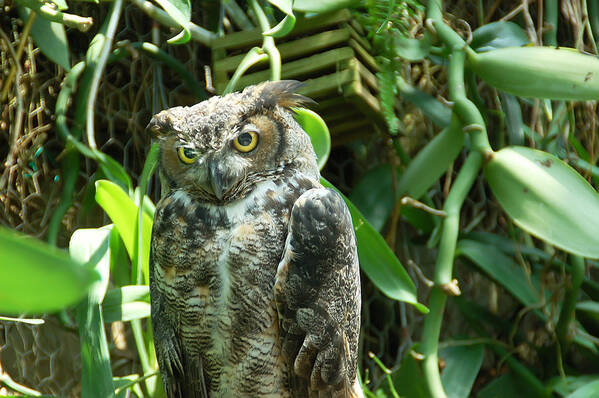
{"x": 113, "y": 20}
{"x": 443, "y": 272}
{"x": 268, "y": 44}
{"x": 48, "y": 12}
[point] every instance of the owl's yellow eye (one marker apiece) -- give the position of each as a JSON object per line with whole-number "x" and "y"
{"x": 245, "y": 142}
{"x": 186, "y": 155}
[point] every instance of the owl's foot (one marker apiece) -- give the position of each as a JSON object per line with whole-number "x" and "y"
{"x": 325, "y": 367}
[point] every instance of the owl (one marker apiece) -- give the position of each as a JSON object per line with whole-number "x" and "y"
{"x": 254, "y": 275}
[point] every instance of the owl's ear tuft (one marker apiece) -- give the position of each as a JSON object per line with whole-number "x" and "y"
{"x": 283, "y": 93}
{"x": 162, "y": 122}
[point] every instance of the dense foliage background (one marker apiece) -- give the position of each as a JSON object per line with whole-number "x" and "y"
{"x": 463, "y": 134}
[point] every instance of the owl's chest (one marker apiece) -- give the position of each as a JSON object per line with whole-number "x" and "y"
{"x": 217, "y": 264}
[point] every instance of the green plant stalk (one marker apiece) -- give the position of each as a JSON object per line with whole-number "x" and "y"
{"x": 567, "y": 312}
{"x": 110, "y": 29}
{"x": 463, "y": 107}
{"x": 13, "y": 385}
{"x": 70, "y": 161}
{"x": 268, "y": 44}
{"x": 443, "y": 272}
{"x": 434, "y": 10}
{"x": 254, "y": 56}
{"x": 47, "y": 12}
{"x": 550, "y": 12}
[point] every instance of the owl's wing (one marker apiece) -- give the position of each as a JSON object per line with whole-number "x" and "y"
{"x": 182, "y": 374}
{"x": 317, "y": 292}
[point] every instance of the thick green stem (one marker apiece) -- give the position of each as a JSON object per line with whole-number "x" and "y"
{"x": 444, "y": 270}
{"x": 268, "y": 44}
{"x": 48, "y": 12}
{"x": 550, "y": 13}
{"x": 569, "y": 305}
{"x": 463, "y": 107}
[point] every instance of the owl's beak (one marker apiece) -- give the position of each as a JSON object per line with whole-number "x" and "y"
{"x": 217, "y": 180}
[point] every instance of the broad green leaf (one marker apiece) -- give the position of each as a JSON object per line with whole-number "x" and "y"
{"x": 547, "y": 198}
{"x": 408, "y": 380}
{"x": 513, "y": 118}
{"x": 287, "y": 24}
{"x": 588, "y": 306}
{"x": 37, "y": 277}
{"x": 564, "y": 386}
{"x": 496, "y": 35}
{"x": 539, "y": 72}
{"x": 123, "y": 213}
{"x": 430, "y": 106}
{"x": 180, "y": 11}
{"x": 412, "y": 49}
{"x": 93, "y": 246}
{"x": 319, "y": 6}
{"x": 500, "y": 268}
{"x": 318, "y": 132}
{"x": 126, "y": 303}
{"x": 507, "y": 385}
{"x": 432, "y": 161}
{"x": 373, "y": 196}
{"x": 462, "y": 364}
{"x": 50, "y": 37}
{"x": 590, "y": 390}
{"x": 378, "y": 261}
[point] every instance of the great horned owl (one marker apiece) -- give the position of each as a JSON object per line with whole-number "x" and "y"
{"x": 254, "y": 278}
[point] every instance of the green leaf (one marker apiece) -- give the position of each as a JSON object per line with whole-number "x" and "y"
{"x": 126, "y": 303}
{"x": 123, "y": 212}
{"x": 50, "y": 37}
{"x": 180, "y": 11}
{"x": 462, "y": 364}
{"x": 378, "y": 261}
{"x": 500, "y": 268}
{"x": 409, "y": 379}
{"x": 373, "y": 195}
{"x": 590, "y": 390}
{"x": 432, "y": 108}
{"x": 547, "y": 198}
{"x": 318, "y": 132}
{"x": 37, "y": 277}
{"x": 432, "y": 161}
{"x": 513, "y": 118}
{"x": 507, "y": 385}
{"x": 412, "y": 49}
{"x": 496, "y": 35}
{"x": 319, "y": 6}
{"x": 93, "y": 246}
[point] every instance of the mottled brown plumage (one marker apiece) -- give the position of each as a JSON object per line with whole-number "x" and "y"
{"x": 254, "y": 276}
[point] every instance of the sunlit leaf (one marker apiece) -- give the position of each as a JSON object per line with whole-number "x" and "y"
{"x": 318, "y": 131}
{"x": 180, "y": 11}
{"x": 126, "y": 303}
{"x": 123, "y": 213}
{"x": 547, "y": 198}
{"x": 378, "y": 261}
{"x": 93, "y": 247}
{"x": 590, "y": 390}
{"x": 412, "y": 49}
{"x": 37, "y": 277}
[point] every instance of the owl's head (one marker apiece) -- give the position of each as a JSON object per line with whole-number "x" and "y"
{"x": 219, "y": 149}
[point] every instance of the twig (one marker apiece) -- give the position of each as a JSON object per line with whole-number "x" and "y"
{"x": 45, "y": 10}
{"x": 407, "y": 201}
{"x": 22, "y": 42}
